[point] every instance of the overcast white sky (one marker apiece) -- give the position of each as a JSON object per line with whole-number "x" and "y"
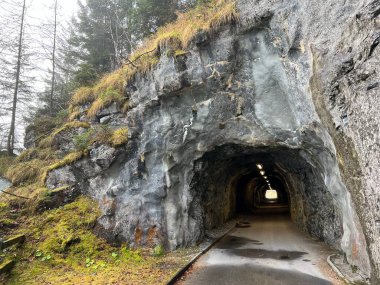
{"x": 41, "y": 12}
{"x": 38, "y": 14}
{"x": 68, "y": 6}
{"x": 38, "y": 7}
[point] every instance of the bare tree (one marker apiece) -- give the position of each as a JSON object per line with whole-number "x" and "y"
{"x": 11, "y": 135}
{"x": 54, "y": 89}
{"x": 16, "y": 71}
{"x": 53, "y": 57}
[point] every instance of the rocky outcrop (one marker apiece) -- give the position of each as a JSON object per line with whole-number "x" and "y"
{"x": 294, "y": 86}
{"x": 30, "y": 138}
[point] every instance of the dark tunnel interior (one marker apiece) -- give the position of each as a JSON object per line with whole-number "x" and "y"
{"x": 258, "y": 193}
{"x": 234, "y": 180}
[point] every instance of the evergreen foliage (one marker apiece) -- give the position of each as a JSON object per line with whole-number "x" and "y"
{"x": 102, "y": 36}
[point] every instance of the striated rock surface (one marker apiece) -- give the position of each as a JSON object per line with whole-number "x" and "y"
{"x": 295, "y": 86}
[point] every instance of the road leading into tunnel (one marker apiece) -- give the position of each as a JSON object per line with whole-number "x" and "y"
{"x": 272, "y": 251}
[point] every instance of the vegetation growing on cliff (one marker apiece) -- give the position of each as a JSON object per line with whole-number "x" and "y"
{"x": 6, "y": 162}
{"x": 49, "y": 140}
{"x": 61, "y": 247}
{"x": 26, "y": 172}
{"x": 176, "y": 36}
{"x": 31, "y": 168}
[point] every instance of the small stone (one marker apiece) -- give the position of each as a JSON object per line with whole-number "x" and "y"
{"x": 13, "y": 241}
{"x": 7, "y": 266}
{"x": 105, "y": 120}
{"x": 372, "y": 86}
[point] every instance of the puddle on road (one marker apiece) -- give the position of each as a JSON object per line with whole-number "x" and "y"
{"x": 235, "y": 242}
{"x": 229, "y": 274}
{"x": 232, "y": 246}
{"x": 243, "y": 224}
{"x": 263, "y": 253}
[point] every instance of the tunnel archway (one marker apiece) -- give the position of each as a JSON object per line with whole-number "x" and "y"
{"x": 227, "y": 182}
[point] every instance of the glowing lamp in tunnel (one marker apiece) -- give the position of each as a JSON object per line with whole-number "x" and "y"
{"x": 265, "y": 177}
{"x": 262, "y": 172}
{"x": 259, "y": 166}
{"x": 271, "y": 194}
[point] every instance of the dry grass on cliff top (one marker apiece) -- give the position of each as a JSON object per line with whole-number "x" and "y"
{"x": 177, "y": 36}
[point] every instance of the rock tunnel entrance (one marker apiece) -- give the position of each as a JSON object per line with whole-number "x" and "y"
{"x": 234, "y": 179}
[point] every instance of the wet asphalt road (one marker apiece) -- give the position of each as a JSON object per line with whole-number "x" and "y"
{"x": 272, "y": 251}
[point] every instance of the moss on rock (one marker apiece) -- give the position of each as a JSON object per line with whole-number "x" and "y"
{"x": 61, "y": 248}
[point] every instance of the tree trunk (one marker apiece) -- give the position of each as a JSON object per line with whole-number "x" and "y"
{"x": 11, "y": 135}
{"x": 53, "y": 58}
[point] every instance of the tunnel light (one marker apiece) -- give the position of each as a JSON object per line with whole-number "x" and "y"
{"x": 271, "y": 194}
{"x": 262, "y": 172}
{"x": 259, "y": 166}
{"x": 265, "y": 177}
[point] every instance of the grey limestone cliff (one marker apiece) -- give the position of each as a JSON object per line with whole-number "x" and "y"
{"x": 294, "y": 85}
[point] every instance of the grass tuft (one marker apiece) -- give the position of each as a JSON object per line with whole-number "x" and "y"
{"x": 101, "y": 135}
{"x": 119, "y": 137}
{"x": 74, "y": 114}
{"x": 104, "y": 100}
{"x": 36, "y": 153}
{"x": 82, "y": 96}
{"x": 26, "y": 172}
{"x": 112, "y": 81}
{"x": 6, "y": 161}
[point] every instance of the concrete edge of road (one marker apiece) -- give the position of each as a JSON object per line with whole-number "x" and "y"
{"x": 182, "y": 271}
{"x": 339, "y": 272}
{"x": 336, "y": 269}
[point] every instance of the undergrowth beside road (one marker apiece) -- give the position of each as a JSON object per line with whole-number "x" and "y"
{"x": 61, "y": 248}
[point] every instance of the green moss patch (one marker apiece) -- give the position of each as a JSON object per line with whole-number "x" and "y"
{"x": 61, "y": 248}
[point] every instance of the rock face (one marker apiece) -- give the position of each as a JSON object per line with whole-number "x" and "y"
{"x": 294, "y": 86}
{"x": 30, "y": 138}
